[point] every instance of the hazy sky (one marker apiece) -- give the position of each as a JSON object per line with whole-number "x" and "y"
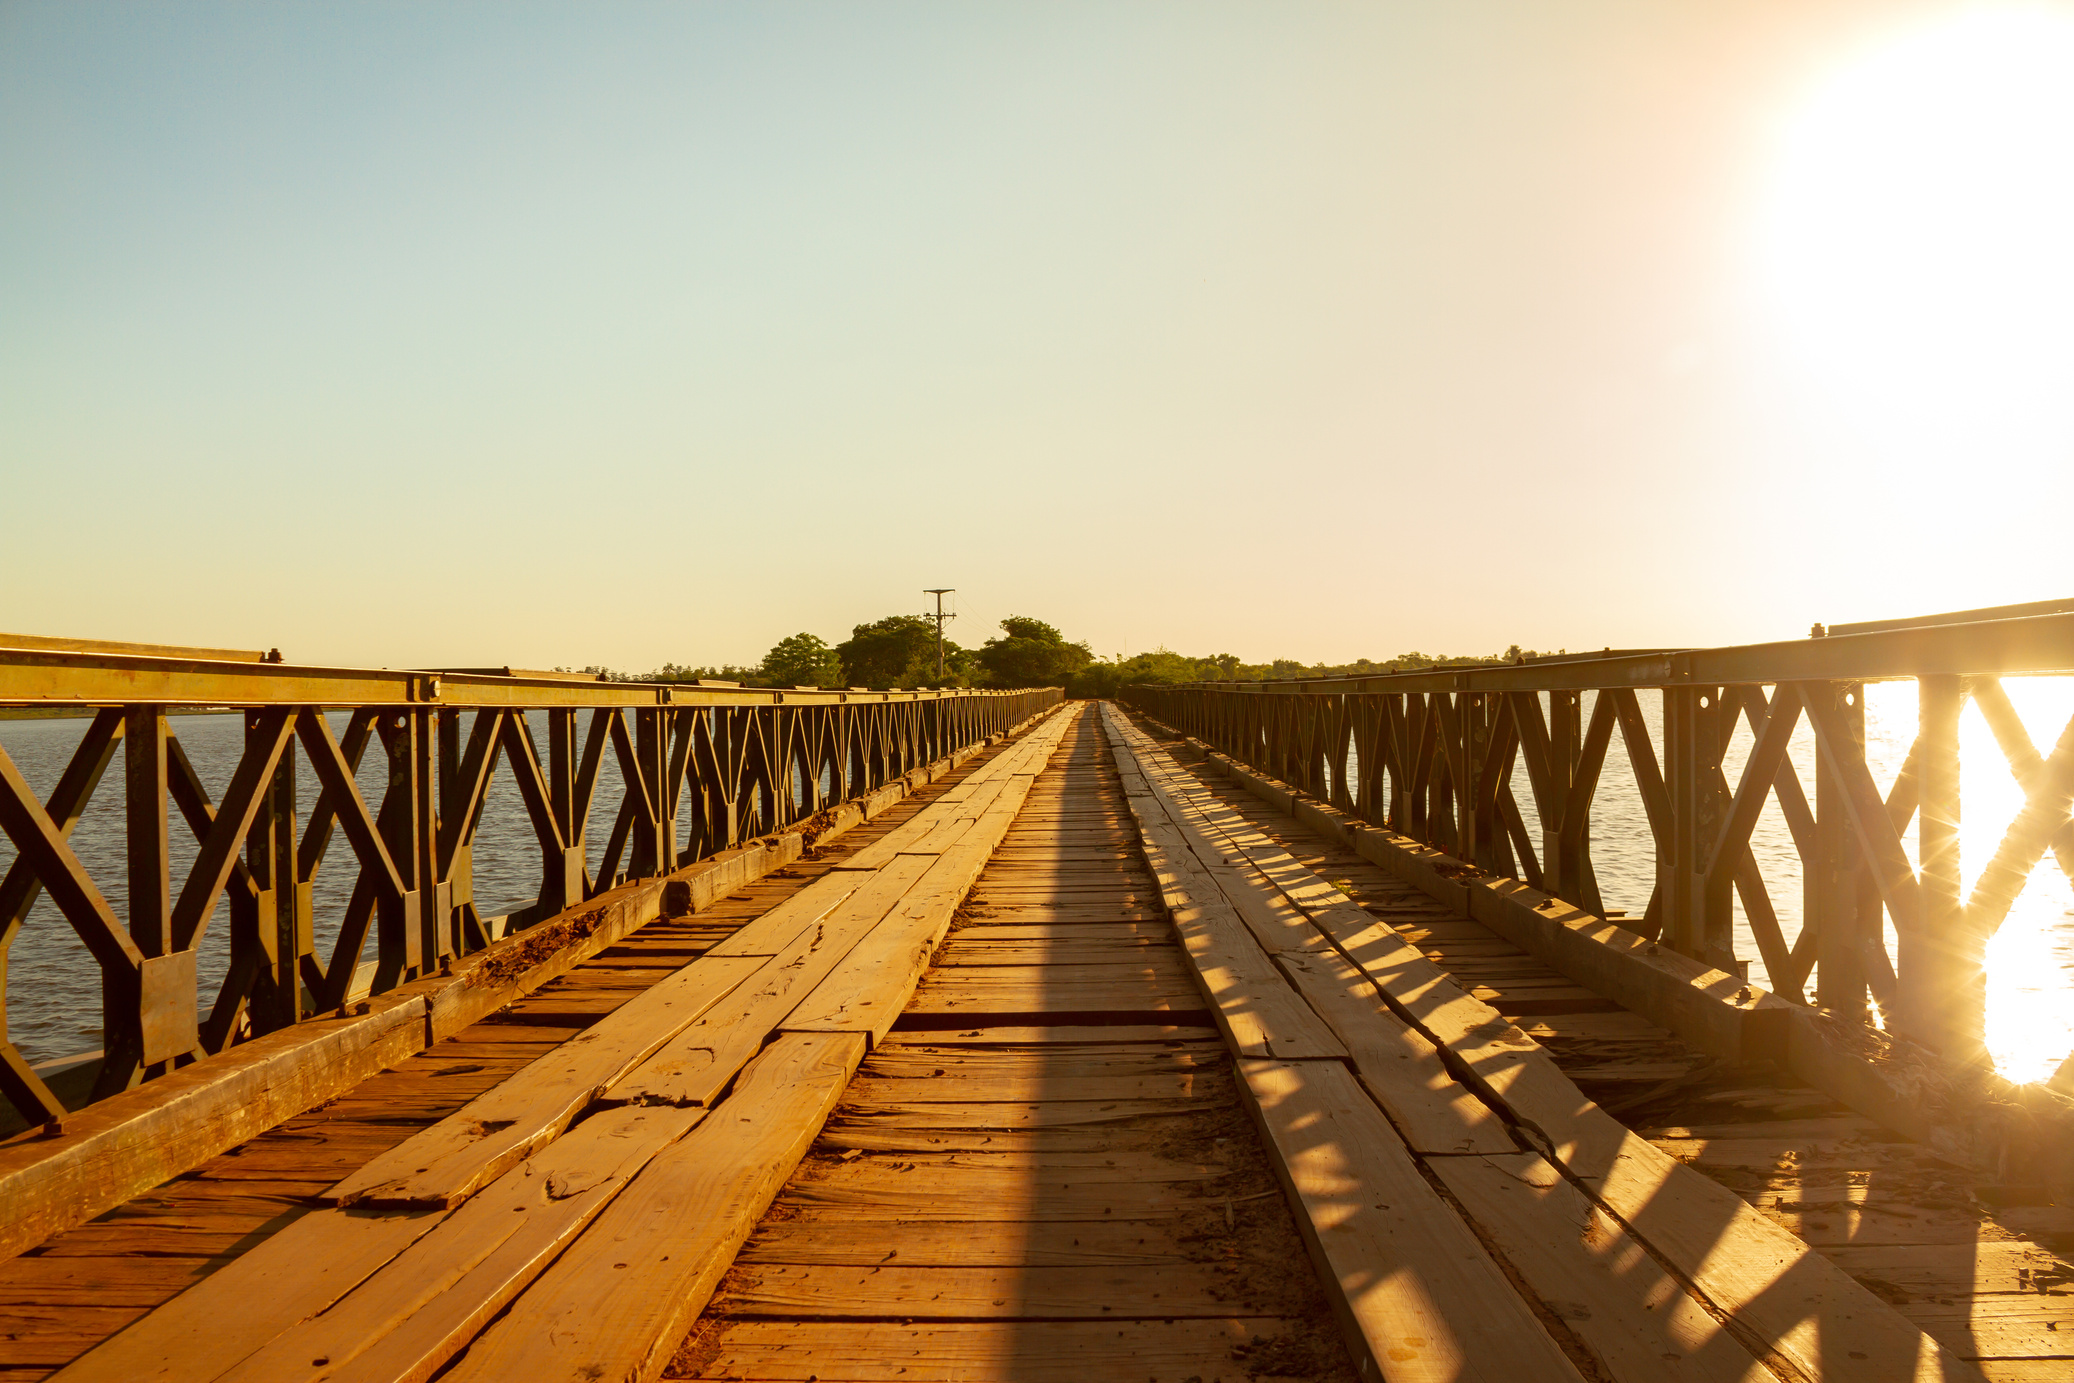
{"x": 448, "y": 333}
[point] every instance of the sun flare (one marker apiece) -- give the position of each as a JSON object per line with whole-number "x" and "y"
{"x": 1917, "y": 232}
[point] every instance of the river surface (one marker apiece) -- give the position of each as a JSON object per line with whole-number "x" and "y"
{"x": 53, "y": 985}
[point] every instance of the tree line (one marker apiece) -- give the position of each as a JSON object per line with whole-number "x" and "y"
{"x": 897, "y": 651}
{"x": 1162, "y": 665}
{"x": 900, "y": 651}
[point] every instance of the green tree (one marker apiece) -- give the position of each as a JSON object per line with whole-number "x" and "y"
{"x": 725, "y": 672}
{"x": 802, "y": 660}
{"x": 1033, "y": 654}
{"x": 897, "y": 651}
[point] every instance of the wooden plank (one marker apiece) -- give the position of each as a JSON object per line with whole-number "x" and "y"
{"x": 868, "y": 990}
{"x": 891, "y": 1136}
{"x": 1066, "y": 1034}
{"x": 773, "y": 930}
{"x": 675, "y": 1229}
{"x": 2027, "y": 1323}
{"x": 2049, "y": 1370}
{"x": 1253, "y": 1004}
{"x": 935, "y": 827}
{"x": 296, "y": 1273}
{"x": 981, "y": 1088}
{"x": 1950, "y": 1270}
{"x": 1638, "y": 1320}
{"x": 1026, "y": 1351}
{"x": 1022, "y": 1291}
{"x": 40, "y": 1338}
{"x": 1014, "y": 1114}
{"x": 1002, "y": 931}
{"x": 1274, "y": 920}
{"x": 1055, "y": 993}
{"x": 1008, "y": 1200}
{"x": 139, "y": 1280}
{"x": 1117, "y": 1243}
{"x": 448, "y": 1162}
{"x": 695, "y": 1066}
{"x": 1411, "y": 1283}
{"x": 1750, "y": 1269}
{"x": 980, "y": 1171}
{"x": 980, "y": 913}
{"x": 1400, "y": 1069}
{"x": 1094, "y": 951}
{"x": 910, "y": 1058}
{"x": 1160, "y": 969}
{"x": 1832, "y": 1222}
{"x": 419, "y": 1309}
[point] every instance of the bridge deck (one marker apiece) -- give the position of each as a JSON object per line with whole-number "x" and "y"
{"x": 1083, "y": 1151}
{"x": 1046, "y": 1172}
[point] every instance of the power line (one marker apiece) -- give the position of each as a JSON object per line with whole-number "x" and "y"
{"x": 939, "y": 592}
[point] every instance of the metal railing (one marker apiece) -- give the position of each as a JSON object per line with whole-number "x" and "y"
{"x": 709, "y": 764}
{"x": 1432, "y": 755}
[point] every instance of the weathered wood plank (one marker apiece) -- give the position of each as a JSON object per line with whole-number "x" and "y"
{"x": 1026, "y": 1351}
{"x": 675, "y": 1228}
{"x": 1124, "y": 1243}
{"x": 1790, "y": 1298}
{"x": 1012, "y": 1114}
{"x": 225, "y": 1317}
{"x": 980, "y": 1087}
{"x": 1637, "y": 1319}
{"x": 1024, "y": 1291}
{"x": 695, "y": 1066}
{"x": 1433, "y": 1112}
{"x": 868, "y": 990}
{"x": 1414, "y": 1285}
{"x": 448, "y": 1162}
{"x": 1065, "y": 993}
{"x": 1933, "y": 1269}
{"x": 906, "y": 1058}
{"x": 414, "y": 1313}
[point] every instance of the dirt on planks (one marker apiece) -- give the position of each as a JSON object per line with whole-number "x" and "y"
{"x": 536, "y": 947}
{"x": 965, "y": 916}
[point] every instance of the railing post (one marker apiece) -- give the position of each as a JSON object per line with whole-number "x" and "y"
{"x": 283, "y": 927}
{"x": 145, "y": 789}
{"x": 566, "y": 875}
{"x": 400, "y": 922}
{"x": 654, "y": 829}
{"x": 435, "y": 901}
{"x": 1838, "y": 908}
{"x": 1687, "y": 736}
{"x": 1486, "y": 847}
{"x": 1715, "y": 722}
{"x": 1940, "y": 972}
{"x": 1561, "y": 768}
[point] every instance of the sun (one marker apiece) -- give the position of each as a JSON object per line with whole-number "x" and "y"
{"x": 1917, "y": 239}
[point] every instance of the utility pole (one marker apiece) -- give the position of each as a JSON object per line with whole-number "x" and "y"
{"x": 939, "y": 592}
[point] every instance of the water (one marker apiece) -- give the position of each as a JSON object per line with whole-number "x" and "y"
{"x": 2030, "y": 960}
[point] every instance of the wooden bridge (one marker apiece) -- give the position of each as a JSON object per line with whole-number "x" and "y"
{"x": 1232, "y": 1033}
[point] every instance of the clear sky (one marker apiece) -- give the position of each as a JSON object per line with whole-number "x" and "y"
{"x": 457, "y": 333}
